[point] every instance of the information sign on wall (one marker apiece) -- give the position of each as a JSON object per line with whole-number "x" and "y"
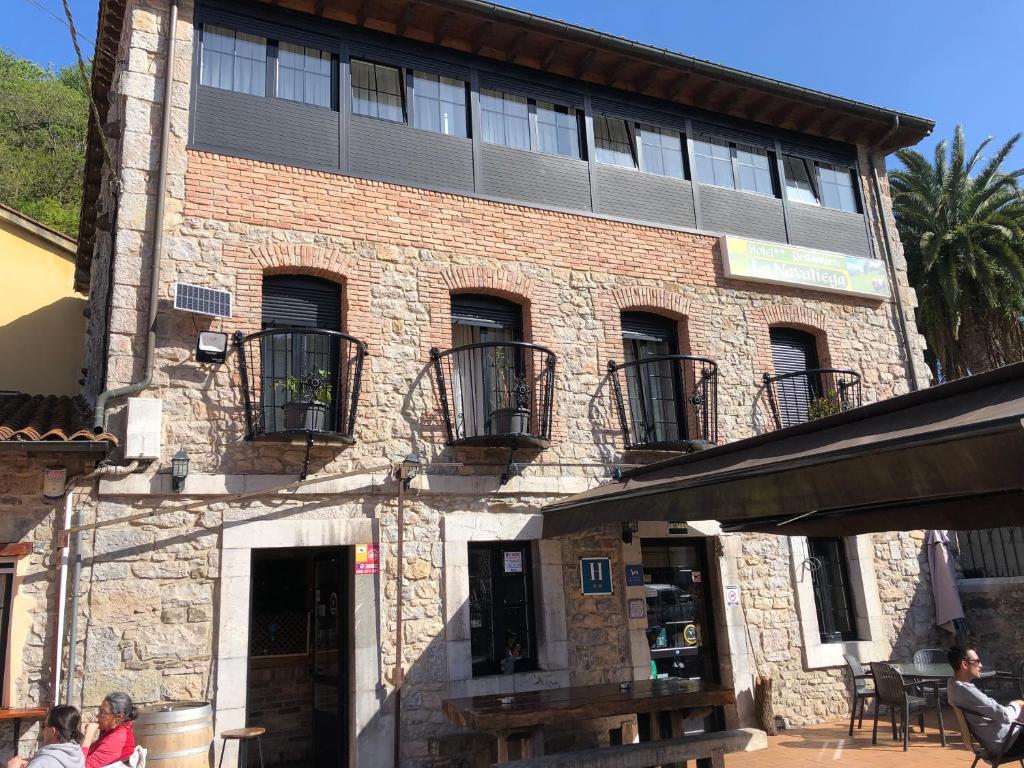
{"x": 596, "y": 575}
{"x": 767, "y": 262}
{"x": 638, "y": 608}
{"x": 513, "y": 562}
{"x": 367, "y": 559}
{"x": 634, "y": 575}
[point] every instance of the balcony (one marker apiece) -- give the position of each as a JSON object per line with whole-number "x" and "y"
{"x": 794, "y": 398}
{"x": 666, "y": 402}
{"x": 496, "y": 393}
{"x": 300, "y": 383}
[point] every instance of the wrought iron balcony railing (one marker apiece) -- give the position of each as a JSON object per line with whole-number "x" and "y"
{"x": 666, "y": 402}
{"x": 794, "y": 398}
{"x": 300, "y": 382}
{"x": 496, "y": 393}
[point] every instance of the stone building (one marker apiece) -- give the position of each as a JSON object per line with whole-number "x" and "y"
{"x": 458, "y": 231}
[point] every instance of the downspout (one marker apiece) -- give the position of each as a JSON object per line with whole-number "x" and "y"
{"x": 901, "y": 318}
{"x": 158, "y": 237}
{"x": 62, "y": 594}
{"x": 398, "y": 676}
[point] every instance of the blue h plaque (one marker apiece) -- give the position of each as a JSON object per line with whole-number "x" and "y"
{"x": 596, "y": 575}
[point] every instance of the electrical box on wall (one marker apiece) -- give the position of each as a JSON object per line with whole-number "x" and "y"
{"x": 143, "y": 439}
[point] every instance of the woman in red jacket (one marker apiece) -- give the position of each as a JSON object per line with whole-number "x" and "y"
{"x": 111, "y": 737}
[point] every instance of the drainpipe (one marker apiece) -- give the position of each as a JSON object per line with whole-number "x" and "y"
{"x": 158, "y": 237}
{"x": 901, "y": 318}
{"x": 62, "y": 595}
{"x": 398, "y": 677}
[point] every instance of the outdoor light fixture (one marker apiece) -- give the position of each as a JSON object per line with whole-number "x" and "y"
{"x": 629, "y": 528}
{"x": 411, "y": 466}
{"x": 179, "y": 470}
{"x": 211, "y": 347}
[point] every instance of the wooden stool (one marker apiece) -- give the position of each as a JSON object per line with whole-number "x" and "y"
{"x": 243, "y": 736}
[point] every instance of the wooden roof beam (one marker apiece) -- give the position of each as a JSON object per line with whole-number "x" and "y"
{"x": 701, "y": 97}
{"x": 363, "y": 13}
{"x": 481, "y": 36}
{"x": 443, "y": 26}
{"x": 517, "y": 46}
{"x": 646, "y": 79}
{"x": 677, "y": 87}
{"x": 613, "y": 73}
{"x": 405, "y": 19}
{"x": 545, "y": 61}
{"x": 585, "y": 62}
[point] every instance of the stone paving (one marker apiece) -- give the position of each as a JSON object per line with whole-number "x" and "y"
{"x": 829, "y": 744}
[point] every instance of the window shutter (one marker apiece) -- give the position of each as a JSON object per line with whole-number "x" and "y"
{"x": 489, "y": 311}
{"x": 793, "y": 351}
{"x": 301, "y": 302}
{"x": 644, "y": 326}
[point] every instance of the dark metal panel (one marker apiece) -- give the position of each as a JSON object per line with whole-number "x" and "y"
{"x": 536, "y": 88}
{"x": 386, "y": 54}
{"x": 667, "y": 118}
{"x": 724, "y": 131}
{"x": 742, "y": 213}
{"x": 643, "y": 196}
{"x": 535, "y": 178}
{"x": 828, "y": 229}
{"x": 268, "y": 129}
{"x": 394, "y": 151}
{"x": 275, "y": 30}
{"x": 816, "y": 152}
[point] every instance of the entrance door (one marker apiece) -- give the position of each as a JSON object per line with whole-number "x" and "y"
{"x": 680, "y": 619}
{"x": 330, "y": 720}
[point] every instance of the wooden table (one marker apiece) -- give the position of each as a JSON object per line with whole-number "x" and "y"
{"x": 17, "y": 715}
{"x": 531, "y": 711}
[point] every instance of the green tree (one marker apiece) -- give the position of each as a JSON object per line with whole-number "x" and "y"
{"x": 961, "y": 219}
{"x": 44, "y": 117}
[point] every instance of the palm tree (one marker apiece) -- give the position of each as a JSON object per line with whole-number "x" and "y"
{"x": 962, "y": 226}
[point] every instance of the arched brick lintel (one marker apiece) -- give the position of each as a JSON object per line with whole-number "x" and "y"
{"x": 654, "y": 299}
{"x": 494, "y": 281}
{"x": 297, "y": 259}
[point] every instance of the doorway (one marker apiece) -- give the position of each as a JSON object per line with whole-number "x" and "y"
{"x": 299, "y": 655}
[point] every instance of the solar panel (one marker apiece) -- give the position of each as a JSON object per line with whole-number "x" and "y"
{"x": 202, "y": 301}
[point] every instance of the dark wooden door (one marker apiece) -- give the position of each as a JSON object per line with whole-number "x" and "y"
{"x": 330, "y": 694}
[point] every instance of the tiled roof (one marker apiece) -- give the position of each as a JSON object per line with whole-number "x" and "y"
{"x": 47, "y": 417}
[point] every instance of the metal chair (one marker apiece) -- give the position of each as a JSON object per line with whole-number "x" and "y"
{"x": 863, "y": 688}
{"x": 891, "y": 690}
{"x": 975, "y": 747}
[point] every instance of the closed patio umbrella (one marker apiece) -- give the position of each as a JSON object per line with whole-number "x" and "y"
{"x": 949, "y": 612}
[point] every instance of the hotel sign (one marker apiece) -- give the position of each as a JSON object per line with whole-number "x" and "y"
{"x": 766, "y": 262}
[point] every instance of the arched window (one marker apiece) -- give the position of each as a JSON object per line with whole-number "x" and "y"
{"x": 654, "y": 387}
{"x": 487, "y": 373}
{"x": 794, "y": 356}
{"x": 301, "y": 369}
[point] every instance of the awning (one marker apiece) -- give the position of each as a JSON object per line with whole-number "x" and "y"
{"x": 946, "y": 457}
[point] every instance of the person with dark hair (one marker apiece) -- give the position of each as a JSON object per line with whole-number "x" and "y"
{"x": 111, "y": 738}
{"x": 996, "y": 726}
{"x": 60, "y": 742}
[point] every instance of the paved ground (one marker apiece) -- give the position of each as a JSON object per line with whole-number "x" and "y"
{"x": 830, "y": 745}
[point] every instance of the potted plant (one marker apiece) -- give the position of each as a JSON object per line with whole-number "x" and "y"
{"x": 826, "y": 405}
{"x": 512, "y": 395}
{"x": 309, "y": 400}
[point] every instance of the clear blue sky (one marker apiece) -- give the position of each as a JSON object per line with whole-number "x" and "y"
{"x": 949, "y": 60}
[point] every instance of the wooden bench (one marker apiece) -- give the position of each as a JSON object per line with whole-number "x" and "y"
{"x": 705, "y": 746}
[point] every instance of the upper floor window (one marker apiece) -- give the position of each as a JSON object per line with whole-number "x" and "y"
{"x": 557, "y": 130}
{"x": 820, "y": 183}
{"x": 612, "y": 143}
{"x": 661, "y": 151}
{"x": 377, "y": 91}
{"x": 653, "y": 387}
{"x": 439, "y": 104}
{"x": 837, "y": 187}
{"x": 234, "y": 61}
{"x": 507, "y": 119}
{"x": 733, "y": 165}
{"x": 304, "y": 74}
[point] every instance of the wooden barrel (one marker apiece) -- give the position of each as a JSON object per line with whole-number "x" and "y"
{"x": 176, "y": 735}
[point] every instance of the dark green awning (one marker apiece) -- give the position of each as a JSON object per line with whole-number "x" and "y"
{"x": 946, "y": 457}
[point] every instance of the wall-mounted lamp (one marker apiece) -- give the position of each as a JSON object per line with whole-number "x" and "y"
{"x": 212, "y": 347}
{"x": 629, "y": 529}
{"x": 179, "y": 470}
{"x": 411, "y": 466}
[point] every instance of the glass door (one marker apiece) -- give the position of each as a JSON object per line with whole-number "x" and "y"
{"x": 680, "y": 617}
{"x": 330, "y": 716}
